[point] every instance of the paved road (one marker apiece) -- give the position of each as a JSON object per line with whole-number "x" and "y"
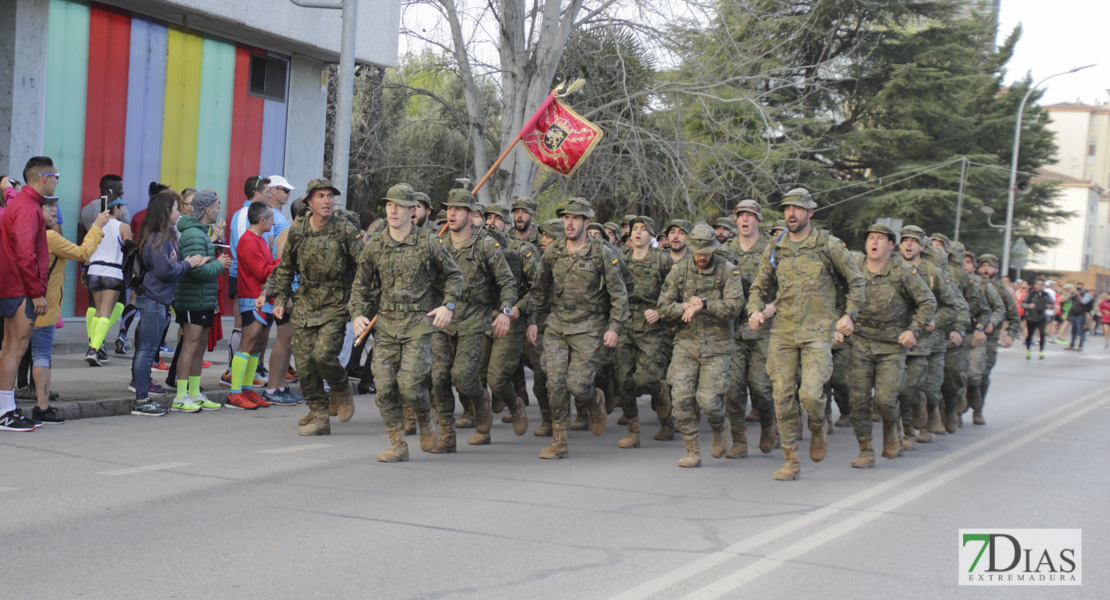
{"x": 234, "y": 505}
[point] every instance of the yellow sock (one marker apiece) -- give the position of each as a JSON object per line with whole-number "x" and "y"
{"x": 100, "y": 331}
{"x": 194, "y": 386}
{"x": 238, "y": 367}
{"x": 90, "y": 322}
{"x": 248, "y": 373}
{"x": 117, "y": 310}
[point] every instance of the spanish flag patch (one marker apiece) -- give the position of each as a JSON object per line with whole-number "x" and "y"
{"x": 529, "y": 255}
{"x": 614, "y": 261}
{"x": 736, "y": 272}
{"x": 497, "y": 244}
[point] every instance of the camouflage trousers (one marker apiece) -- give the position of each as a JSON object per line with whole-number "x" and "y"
{"x": 605, "y": 379}
{"x": 977, "y": 363}
{"x": 504, "y": 358}
{"x": 917, "y": 368}
{"x": 571, "y": 363}
{"x": 837, "y": 387}
{"x": 748, "y": 375}
{"x": 695, "y": 376}
{"x": 401, "y": 367}
{"x": 956, "y": 367}
{"x": 532, "y": 357}
{"x": 799, "y": 372}
{"x": 457, "y": 361}
{"x": 639, "y": 366}
{"x": 317, "y": 352}
{"x": 882, "y": 373}
{"x": 992, "y": 358}
{"x": 934, "y": 377}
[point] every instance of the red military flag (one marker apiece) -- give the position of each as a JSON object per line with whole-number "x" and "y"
{"x": 557, "y": 137}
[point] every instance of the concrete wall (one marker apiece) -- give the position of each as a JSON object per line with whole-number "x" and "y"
{"x": 23, "y": 26}
{"x": 307, "y": 106}
{"x": 1077, "y": 235}
{"x": 1072, "y": 129}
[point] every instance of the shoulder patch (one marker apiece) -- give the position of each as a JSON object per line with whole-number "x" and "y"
{"x": 440, "y": 240}
{"x": 614, "y": 261}
{"x": 915, "y": 270}
{"x": 737, "y": 272}
{"x": 497, "y": 244}
{"x": 948, "y": 280}
{"x": 529, "y": 255}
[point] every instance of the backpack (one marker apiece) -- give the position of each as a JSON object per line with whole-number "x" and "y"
{"x": 134, "y": 268}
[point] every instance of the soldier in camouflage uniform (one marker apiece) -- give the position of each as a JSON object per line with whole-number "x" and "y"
{"x": 988, "y": 268}
{"x": 957, "y": 361}
{"x": 550, "y": 231}
{"x": 324, "y": 251}
{"x": 607, "y": 360}
{"x": 951, "y": 314}
{"x": 798, "y": 273}
{"x": 524, "y": 211}
{"x": 702, "y": 296}
{"x": 504, "y": 355}
{"x": 778, "y": 228}
{"x": 977, "y": 358}
{"x": 726, "y": 229}
{"x": 407, "y": 278}
{"x": 580, "y": 281}
{"x": 489, "y": 288}
{"x": 639, "y": 351}
{"x": 898, "y": 308}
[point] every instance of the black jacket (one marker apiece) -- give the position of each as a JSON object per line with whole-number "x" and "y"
{"x": 1035, "y": 303}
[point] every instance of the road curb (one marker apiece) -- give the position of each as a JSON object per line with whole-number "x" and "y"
{"x": 107, "y": 407}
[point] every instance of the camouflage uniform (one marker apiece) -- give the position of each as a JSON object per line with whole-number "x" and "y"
{"x": 533, "y": 354}
{"x": 897, "y": 300}
{"x": 801, "y": 336}
{"x": 640, "y": 350}
{"x": 488, "y": 286}
{"x": 980, "y": 355}
{"x": 529, "y": 205}
{"x": 586, "y": 297}
{"x": 704, "y": 346}
{"x": 1014, "y": 321}
{"x": 325, "y": 260}
{"x": 669, "y": 331}
{"x": 606, "y": 379}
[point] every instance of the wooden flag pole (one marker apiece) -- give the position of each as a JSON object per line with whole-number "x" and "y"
{"x": 485, "y": 178}
{"x": 362, "y": 338}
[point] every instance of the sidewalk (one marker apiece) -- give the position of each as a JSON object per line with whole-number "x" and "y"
{"x": 86, "y": 391}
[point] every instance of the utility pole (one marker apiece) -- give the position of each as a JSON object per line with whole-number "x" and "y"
{"x": 960, "y": 199}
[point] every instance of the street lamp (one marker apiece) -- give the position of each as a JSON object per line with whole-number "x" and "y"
{"x": 1013, "y": 168}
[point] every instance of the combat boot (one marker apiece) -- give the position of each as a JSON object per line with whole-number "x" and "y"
{"x": 935, "y": 425}
{"x": 427, "y": 431}
{"x": 791, "y": 467}
{"x": 544, "y": 430}
{"x": 819, "y": 444}
{"x": 909, "y": 436}
{"x": 409, "y": 418}
{"x": 977, "y": 418}
{"x": 483, "y": 416}
{"x": 976, "y": 403}
{"x": 479, "y": 439}
{"x": 739, "y": 448}
{"x": 876, "y": 417}
{"x": 920, "y": 412}
{"x": 842, "y": 420}
{"x": 507, "y": 417}
{"x": 333, "y": 405}
{"x": 305, "y": 420}
{"x": 582, "y": 421}
{"x": 666, "y": 430}
{"x": 623, "y": 420}
{"x": 961, "y": 404}
{"x": 720, "y": 441}
{"x": 344, "y": 404}
{"x": 753, "y": 416}
{"x": 497, "y": 405}
{"x": 466, "y": 421}
{"x": 892, "y": 446}
{"x": 693, "y": 452}
{"x": 446, "y": 443}
{"x": 519, "y": 418}
{"x": 558, "y": 447}
{"x": 768, "y": 432}
{"x": 866, "y": 458}
{"x": 951, "y": 419}
{"x": 319, "y": 423}
{"x": 661, "y": 401}
{"x": 598, "y": 417}
{"x": 924, "y": 436}
{"x": 398, "y": 448}
{"x": 632, "y": 440}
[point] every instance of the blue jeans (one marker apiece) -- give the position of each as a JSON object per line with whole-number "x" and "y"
{"x": 42, "y": 346}
{"x": 1078, "y": 327}
{"x": 153, "y": 317}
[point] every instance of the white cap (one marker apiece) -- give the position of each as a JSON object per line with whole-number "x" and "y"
{"x": 279, "y": 181}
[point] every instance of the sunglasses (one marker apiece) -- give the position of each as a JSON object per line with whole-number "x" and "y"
{"x": 54, "y": 175}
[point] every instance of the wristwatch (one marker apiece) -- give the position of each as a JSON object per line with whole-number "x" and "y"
{"x": 980, "y": 328}
{"x": 508, "y": 312}
{"x": 450, "y": 306}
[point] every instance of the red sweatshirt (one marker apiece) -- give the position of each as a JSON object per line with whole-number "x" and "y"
{"x": 256, "y": 262}
{"x": 23, "y": 250}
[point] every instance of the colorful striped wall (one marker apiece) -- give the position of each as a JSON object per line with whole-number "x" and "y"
{"x": 129, "y": 95}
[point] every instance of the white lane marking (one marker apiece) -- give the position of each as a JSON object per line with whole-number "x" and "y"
{"x": 134, "y": 470}
{"x": 295, "y": 448}
{"x": 8, "y": 489}
{"x": 750, "y": 544}
{"x": 1093, "y": 357}
{"x": 776, "y": 559}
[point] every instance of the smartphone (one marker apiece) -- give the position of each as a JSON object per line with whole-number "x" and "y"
{"x": 103, "y": 203}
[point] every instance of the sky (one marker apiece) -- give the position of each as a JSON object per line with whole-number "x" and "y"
{"x": 1059, "y": 35}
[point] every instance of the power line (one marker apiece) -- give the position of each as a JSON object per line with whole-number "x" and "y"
{"x": 912, "y": 173}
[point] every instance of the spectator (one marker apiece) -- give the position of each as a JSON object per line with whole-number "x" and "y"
{"x": 277, "y": 386}
{"x": 9, "y": 187}
{"x": 256, "y": 189}
{"x": 105, "y": 281}
{"x": 1052, "y": 311}
{"x": 130, "y": 311}
{"x": 282, "y": 351}
{"x": 256, "y": 262}
{"x": 1081, "y": 304}
{"x": 23, "y": 275}
{"x": 1104, "y": 317}
{"x": 196, "y": 296}
{"x": 1038, "y": 310}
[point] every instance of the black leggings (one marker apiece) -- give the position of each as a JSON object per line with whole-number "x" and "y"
{"x": 1031, "y": 327}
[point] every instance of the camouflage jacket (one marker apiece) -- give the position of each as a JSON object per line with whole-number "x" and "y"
{"x": 524, "y": 262}
{"x": 325, "y": 261}
{"x": 803, "y": 286}
{"x": 712, "y": 330}
{"x": 951, "y": 313}
{"x": 1012, "y": 316}
{"x": 994, "y": 301}
{"x": 898, "y": 299}
{"x": 532, "y": 238}
{"x": 488, "y": 282}
{"x": 748, "y": 262}
{"x": 402, "y": 281}
{"x": 583, "y": 291}
{"x": 647, "y": 275}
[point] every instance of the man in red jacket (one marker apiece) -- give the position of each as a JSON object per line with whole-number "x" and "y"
{"x": 23, "y": 275}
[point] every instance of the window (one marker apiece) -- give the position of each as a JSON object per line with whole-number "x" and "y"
{"x": 268, "y": 77}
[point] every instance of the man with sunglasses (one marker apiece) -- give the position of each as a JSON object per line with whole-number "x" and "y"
{"x": 256, "y": 189}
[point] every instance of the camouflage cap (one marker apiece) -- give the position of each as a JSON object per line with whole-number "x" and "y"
{"x": 616, "y": 229}
{"x": 943, "y": 239}
{"x": 915, "y": 232}
{"x": 320, "y": 183}
{"x": 969, "y": 254}
{"x": 500, "y": 210}
{"x": 682, "y": 224}
{"x": 750, "y": 206}
{"x": 576, "y": 206}
{"x": 702, "y": 240}
{"x": 461, "y": 198}
{"x": 779, "y": 225}
{"x": 441, "y": 217}
{"x": 883, "y": 229}
{"x": 627, "y": 220}
{"x": 727, "y": 223}
{"x": 649, "y": 223}
{"x": 554, "y": 228}
{"x": 595, "y": 226}
{"x": 798, "y": 197}
{"x": 990, "y": 258}
{"x": 401, "y": 194}
{"x": 427, "y": 200}
{"x": 524, "y": 203}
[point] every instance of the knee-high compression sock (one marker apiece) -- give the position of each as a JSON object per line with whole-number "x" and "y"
{"x": 233, "y": 344}
{"x": 90, "y": 322}
{"x": 100, "y": 331}
{"x": 126, "y": 320}
{"x": 248, "y": 373}
{"x": 238, "y": 367}
{"x": 117, "y": 310}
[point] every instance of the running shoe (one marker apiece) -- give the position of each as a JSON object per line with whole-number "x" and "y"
{"x": 32, "y": 420}
{"x": 148, "y": 408}
{"x": 102, "y": 354}
{"x": 27, "y": 392}
{"x": 205, "y": 404}
{"x": 291, "y": 375}
{"x": 185, "y": 405}
{"x": 281, "y": 398}
{"x": 225, "y": 379}
{"x": 261, "y": 374}
{"x": 121, "y": 346}
{"x": 205, "y": 364}
{"x": 161, "y": 366}
{"x": 46, "y": 416}
{"x": 93, "y": 358}
{"x": 255, "y": 398}
{"x": 14, "y": 421}
{"x": 240, "y": 401}
{"x": 164, "y": 349}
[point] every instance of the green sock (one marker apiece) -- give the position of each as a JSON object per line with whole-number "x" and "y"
{"x": 238, "y": 367}
{"x": 194, "y": 386}
{"x": 90, "y": 322}
{"x": 100, "y": 331}
{"x": 182, "y": 388}
{"x": 117, "y": 310}
{"x": 248, "y": 373}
